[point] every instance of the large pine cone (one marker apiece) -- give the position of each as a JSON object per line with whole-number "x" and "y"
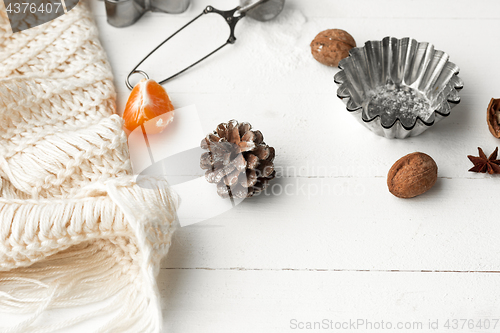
{"x": 238, "y": 160}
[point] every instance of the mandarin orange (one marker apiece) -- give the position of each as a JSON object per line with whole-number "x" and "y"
{"x": 148, "y": 105}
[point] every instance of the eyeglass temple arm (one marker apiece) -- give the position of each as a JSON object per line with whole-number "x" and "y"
{"x": 231, "y": 17}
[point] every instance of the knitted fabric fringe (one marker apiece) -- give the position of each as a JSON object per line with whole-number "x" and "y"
{"x": 76, "y": 228}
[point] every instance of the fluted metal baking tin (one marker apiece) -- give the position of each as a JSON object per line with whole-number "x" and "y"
{"x": 404, "y": 63}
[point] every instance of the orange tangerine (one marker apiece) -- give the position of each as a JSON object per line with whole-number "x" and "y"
{"x": 148, "y": 105}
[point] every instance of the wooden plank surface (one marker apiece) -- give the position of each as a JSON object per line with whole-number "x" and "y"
{"x": 278, "y": 301}
{"x": 337, "y": 244}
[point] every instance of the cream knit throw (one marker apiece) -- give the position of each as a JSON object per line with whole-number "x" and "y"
{"x": 75, "y": 227}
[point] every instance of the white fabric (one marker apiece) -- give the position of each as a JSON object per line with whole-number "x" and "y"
{"x": 75, "y": 226}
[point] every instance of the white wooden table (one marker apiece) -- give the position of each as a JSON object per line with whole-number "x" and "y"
{"x": 339, "y": 246}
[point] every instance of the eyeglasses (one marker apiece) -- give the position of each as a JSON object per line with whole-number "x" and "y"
{"x": 261, "y": 10}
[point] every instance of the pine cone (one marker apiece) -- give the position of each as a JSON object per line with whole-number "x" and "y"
{"x": 238, "y": 160}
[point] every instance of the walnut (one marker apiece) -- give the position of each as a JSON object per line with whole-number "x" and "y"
{"x": 331, "y": 46}
{"x": 412, "y": 175}
{"x": 493, "y": 117}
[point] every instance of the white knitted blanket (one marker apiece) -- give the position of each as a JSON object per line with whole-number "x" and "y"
{"x": 75, "y": 227}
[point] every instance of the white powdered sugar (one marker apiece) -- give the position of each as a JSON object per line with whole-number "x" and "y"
{"x": 392, "y": 103}
{"x": 276, "y": 41}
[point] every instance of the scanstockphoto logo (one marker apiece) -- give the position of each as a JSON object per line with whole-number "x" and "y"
{"x": 26, "y": 14}
{"x": 175, "y": 155}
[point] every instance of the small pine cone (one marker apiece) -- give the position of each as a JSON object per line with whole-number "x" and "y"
{"x": 238, "y": 160}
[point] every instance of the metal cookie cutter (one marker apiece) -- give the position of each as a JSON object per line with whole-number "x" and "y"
{"x": 122, "y": 13}
{"x": 260, "y": 10}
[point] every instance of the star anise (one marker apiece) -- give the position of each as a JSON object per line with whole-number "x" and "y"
{"x": 483, "y": 163}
